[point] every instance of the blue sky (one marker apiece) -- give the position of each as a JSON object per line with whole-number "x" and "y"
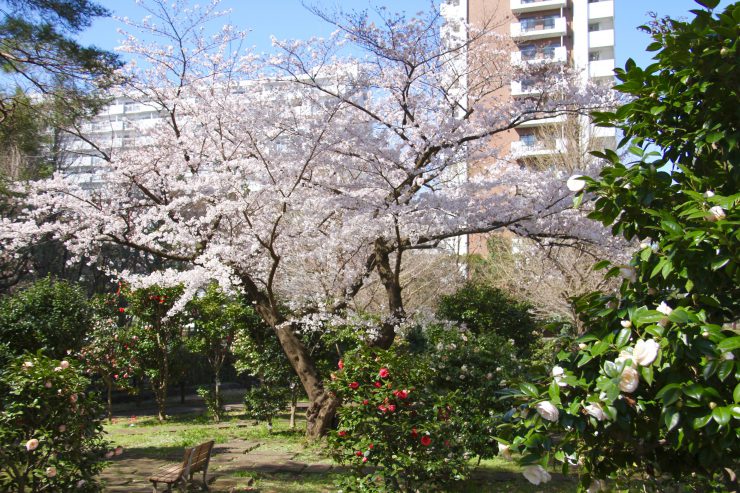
{"x": 289, "y": 19}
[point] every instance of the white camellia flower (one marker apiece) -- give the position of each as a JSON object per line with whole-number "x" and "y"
{"x": 558, "y": 374}
{"x": 727, "y": 356}
{"x": 536, "y": 474}
{"x": 717, "y": 213}
{"x": 664, "y": 308}
{"x": 626, "y": 357}
{"x": 32, "y": 444}
{"x": 645, "y": 352}
{"x": 548, "y": 411}
{"x": 626, "y": 324}
{"x": 628, "y": 273}
{"x": 504, "y": 451}
{"x": 576, "y": 183}
{"x": 629, "y": 380}
{"x": 64, "y": 364}
{"x": 709, "y": 194}
{"x": 582, "y": 346}
{"x": 51, "y": 471}
{"x": 596, "y": 411}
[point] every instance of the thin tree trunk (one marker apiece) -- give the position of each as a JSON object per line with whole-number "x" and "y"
{"x": 109, "y": 385}
{"x": 293, "y": 406}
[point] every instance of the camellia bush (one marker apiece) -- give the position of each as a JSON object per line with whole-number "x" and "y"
{"x": 50, "y": 428}
{"x": 396, "y": 432}
{"x": 650, "y": 393}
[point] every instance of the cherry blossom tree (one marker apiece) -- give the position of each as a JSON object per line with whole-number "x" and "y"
{"x": 298, "y": 178}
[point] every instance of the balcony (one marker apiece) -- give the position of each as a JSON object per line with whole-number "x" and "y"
{"x": 557, "y": 55}
{"x": 518, "y": 88}
{"x": 523, "y": 6}
{"x": 540, "y": 28}
{"x": 600, "y": 10}
{"x": 601, "y": 39}
{"x": 601, "y": 68}
{"x": 524, "y": 149}
{"x": 542, "y": 121}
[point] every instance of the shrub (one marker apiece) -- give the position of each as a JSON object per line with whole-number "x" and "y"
{"x": 394, "y": 421}
{"x": 51, "y": 315}
{"x": 214, "y": 403}
{"x": 50, "y": 428}
{"x": 483, "y": 309}
{"x": 265, "y": 402}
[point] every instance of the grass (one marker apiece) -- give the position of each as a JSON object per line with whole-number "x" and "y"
{"x": 148, "y": 439}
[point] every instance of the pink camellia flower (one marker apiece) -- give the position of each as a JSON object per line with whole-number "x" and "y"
{"x": 391, "y": 407}
{"x": 384, "y": 373}
{"x": 47, "y": 384}
{"x": 382, "y": 408}
{"x": 401, "y": 394}
{"x": 51, "y": 471}
{"x": 109, "y": 454}
{"x": 118, "y": 451}
{"x": 354, "y": 385}
{"x": 341, "y": 364}
{"x": 32, "y": 444}
{"x": 364, "y": 459}
{"x": 62, "y": 428}
{"x": 73, "y": 398}
{"x": 426, "y": 440}
{"x": 64, "y": 364}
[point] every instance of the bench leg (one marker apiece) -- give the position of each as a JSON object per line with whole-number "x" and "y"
{"x": 205, "y": 484}
{"x": 154, "y": 487}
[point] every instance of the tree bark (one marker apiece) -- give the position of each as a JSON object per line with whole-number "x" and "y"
{"x": 390, "y": 278}
{"x": 109, "y": 388}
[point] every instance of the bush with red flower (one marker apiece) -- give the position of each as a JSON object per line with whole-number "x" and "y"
{"x": 50, "y": 427}
{"x": 395, "y": 431}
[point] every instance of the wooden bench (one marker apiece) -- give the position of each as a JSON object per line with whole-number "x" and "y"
{"x": 194, "y": 460}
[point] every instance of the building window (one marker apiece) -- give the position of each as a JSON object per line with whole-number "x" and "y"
{"x": 529, "y": 52}
{"x": 453, "y": 3}
{"x": 594, "y": 26}
{"x": 528, "y": 140}
{"x": 538, "y": 23}
{"x": 594, "y": 56}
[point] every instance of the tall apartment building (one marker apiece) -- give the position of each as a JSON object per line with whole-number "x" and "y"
{"x": 577, "y": 33}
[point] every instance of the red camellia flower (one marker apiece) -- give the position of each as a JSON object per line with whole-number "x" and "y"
{"x": 426, "y": 440}
{"x": 378, "y": 384}
{"x": 401, "y": 394}
{"x": 370, "y": 446}
{"x": 414, "y": 433}
{"x": 354, "y": 385}
{"x": 391, "y": 407}
{"x": 341, "y": 364}
{"x": 358, "y": 453}
{"x": 342, "y": 433}
{"x": 122, "y": 309}
{"x": 384, "y": 373}
{"x": 366, "y": 402}
{"x": 382, "y": 408}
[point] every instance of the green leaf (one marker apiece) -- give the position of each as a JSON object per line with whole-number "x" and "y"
{"x": 736, "y": 393}
{"x": 710, "y": 4}
{"x": 725, "y": 369}
{"x": 714, "y": 137}
{"x": 671, "y": 417}
{"x": 720, "y": 262}
{"x": 647, "y": 374}
{"x": 729, "y": 344}
{"x": 722, "y": 415}
{"x": 530, "y": 390}
{"x": 679, "y": 316}
{"x": 602, "y": 264}
{"x": 623, "y": 337}
{"x": 695, "y": 391}
{"x": 701, "y": 421}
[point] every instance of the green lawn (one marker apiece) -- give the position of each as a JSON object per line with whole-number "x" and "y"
{"x": 148, "y": 439}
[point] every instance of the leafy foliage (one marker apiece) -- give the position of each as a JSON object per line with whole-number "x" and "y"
{"x": 396, "y": 422}
{"x": 483, "y": 309}
{"x": 652, "y": 388}
{"x": 51, "y": 315}
{"x": 50, "y": 428}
